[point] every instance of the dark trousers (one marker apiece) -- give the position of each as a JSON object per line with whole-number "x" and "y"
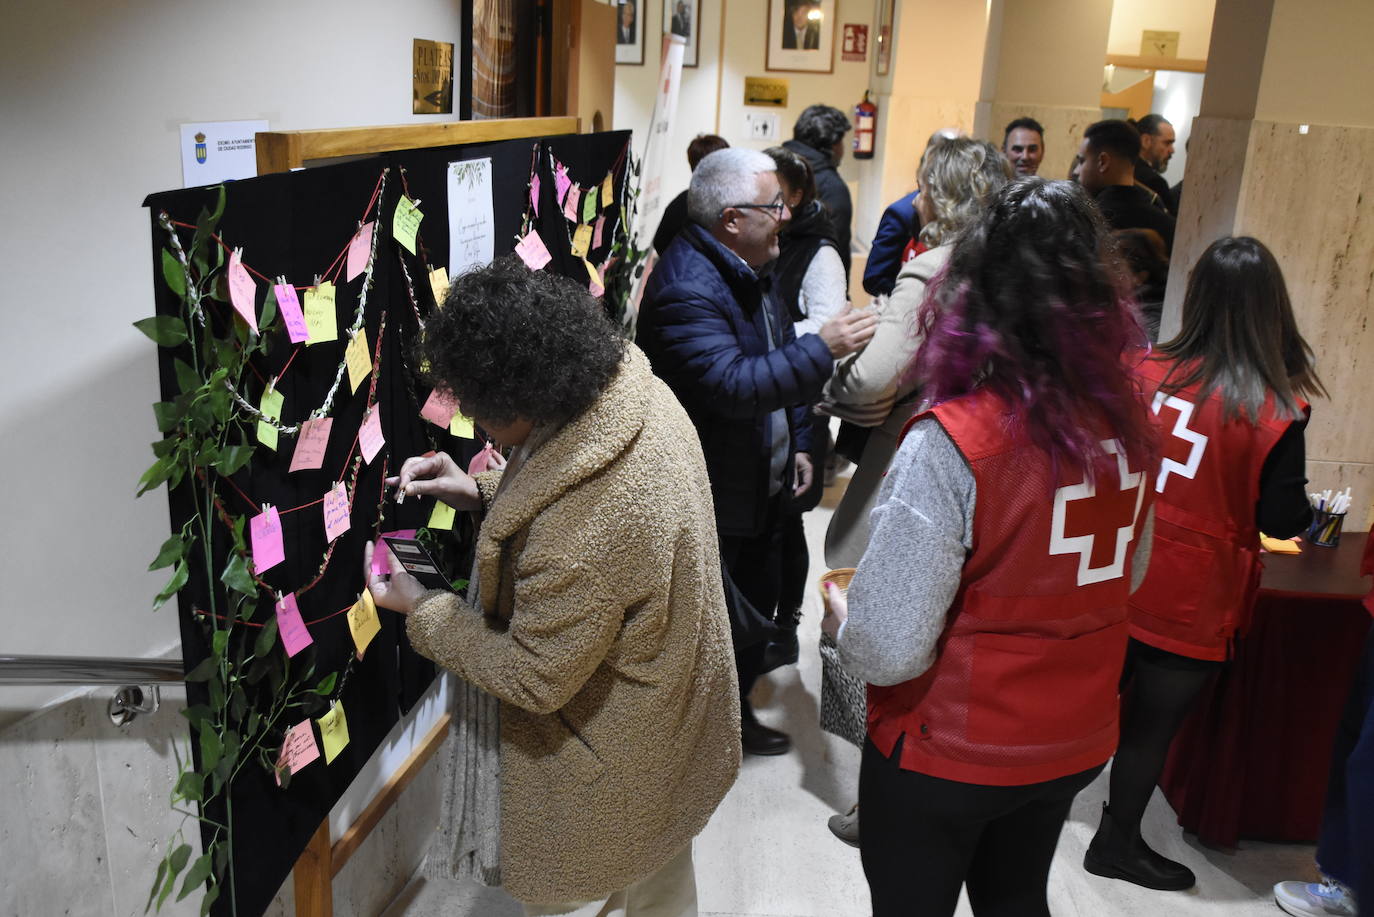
{"x": 754, "y": 563}
{"x": 924, "y": 837}
{"x": 1345, "y": 851}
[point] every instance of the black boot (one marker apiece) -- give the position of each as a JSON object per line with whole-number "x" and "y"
{"x": 784, "y": 649}
{"x": 1119, "y": 853}
{"x": 757, "y": 738}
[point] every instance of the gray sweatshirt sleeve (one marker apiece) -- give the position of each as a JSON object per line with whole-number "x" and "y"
{"x": 921, "y": 533}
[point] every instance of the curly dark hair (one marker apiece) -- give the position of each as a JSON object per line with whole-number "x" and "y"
{"x": 820, "y": 127}
{"x": 512, "y": 343}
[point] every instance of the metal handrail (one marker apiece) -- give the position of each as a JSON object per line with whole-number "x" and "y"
{"x": 89, "y": 670}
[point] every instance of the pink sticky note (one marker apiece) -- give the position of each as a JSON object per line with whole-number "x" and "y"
{"x": 439, "y": 408}
{"x": 561, "y": 182}
{"x": 289, "y": 304}
{"x": 482, "y": 460}
{"x": 370, "y": 437}
{"x": 336, "y": 520}
{"x": 380, "y": 565}
{"x": 534, "y": 194}
{"x": 359, "y": 251}
{"x": 299, "y": 748}
{"x": 596, "y": 234}
{"x": 311, "y": 443}
{"x": 242, "y": 290}
{"x": 532, "y": 251}
{"x": 570, "y": 203}
{"x": 265, "y": 531}
{"x": 294, "y": 635}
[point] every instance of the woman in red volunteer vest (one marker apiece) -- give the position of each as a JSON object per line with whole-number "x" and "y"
{"x": 988, "y": 614}
{"x": 1227, "y": 396}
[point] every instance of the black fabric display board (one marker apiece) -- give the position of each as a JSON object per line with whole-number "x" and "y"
{"x": 294, "y": 224}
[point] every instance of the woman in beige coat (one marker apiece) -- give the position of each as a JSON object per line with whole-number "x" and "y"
{"x": 599, "y": 620}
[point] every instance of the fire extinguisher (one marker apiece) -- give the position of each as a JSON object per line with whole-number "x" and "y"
{"x": 865, "y": 128}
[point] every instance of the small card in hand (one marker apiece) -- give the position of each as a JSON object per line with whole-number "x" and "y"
{"x": 418, "y": 562}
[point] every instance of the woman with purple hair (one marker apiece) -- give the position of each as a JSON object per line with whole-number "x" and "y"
{"x": 988, "y": 614}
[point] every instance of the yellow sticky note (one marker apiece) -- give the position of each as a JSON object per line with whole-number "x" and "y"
{"x": 438, "y": 282}
{"x": 405, "y": 222}
{"x": 321, "y": 323}
{"x": 608, "y": 190}
{"x": 461, "y": 427}
{"x": 362, "y": 619}
{"x": 271, "y": 405}
{"x": 441, "y": 517}
{"x": 582, "y": 240}
{"x": 358, "y": 359}
{"x": 333, "y": 732}
{"x": 1279, "y": 545}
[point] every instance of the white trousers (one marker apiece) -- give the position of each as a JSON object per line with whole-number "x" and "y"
{"x": 669, "y": 892}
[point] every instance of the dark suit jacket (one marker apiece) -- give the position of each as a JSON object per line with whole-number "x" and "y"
{"x": 811, "y": 40}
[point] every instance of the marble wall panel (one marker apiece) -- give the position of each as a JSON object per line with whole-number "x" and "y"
{"x": 1358, "y": 476}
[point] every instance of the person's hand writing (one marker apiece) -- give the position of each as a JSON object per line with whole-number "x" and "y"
{"x": 848, "y": 331}
{"x": 806, "y": 473}
{"x": 400, "y": 592}
{"x": 439, "y": 476}
{"x": 836, "y": 611}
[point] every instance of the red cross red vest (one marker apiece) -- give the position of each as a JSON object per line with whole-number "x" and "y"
{"x": 1024, "y": 685}
{"x": 1204, "y": 569}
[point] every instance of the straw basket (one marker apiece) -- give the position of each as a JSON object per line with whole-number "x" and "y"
{"x": 844, "y": 704}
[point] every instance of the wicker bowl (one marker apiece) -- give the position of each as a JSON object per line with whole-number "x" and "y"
{"x": 840, "y": 577}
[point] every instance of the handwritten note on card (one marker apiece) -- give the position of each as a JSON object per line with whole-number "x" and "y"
{"x": 311, "y": 444}
{"x": 333, "y": 732}
{"x": 589, "y": 204}
{"x": 438, "y": 284}
{"x": 405, "y": 223}
{"x": 336, "y": 520}
{"x": 321, "y": 321}
{"x": 439, "y": 408}
{"x": 358, "y": 359}
{"x": 265, "y": 531}
{"x": 362, "y": 620}
{"x": 570, "y": 203}
{"x": 289, "y": 305}
{"x": 471, "y": 224}
{"x": 298, "y": 749}
{"x": 359, "y": 251}
{"x": 596, "y": 235}
{"x": 243, "y": 291}
{"x": 581, "y": 241}
{"x": 608, "y": 189}
{"x": 532, "y": 251}
{"x": 270, "y": 406}
{"x": 294, "y": 635}
{"x": 370, "y": 438}
{"x": 561, "y": 182}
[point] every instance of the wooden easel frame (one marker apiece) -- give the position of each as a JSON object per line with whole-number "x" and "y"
{"x": 281, "y": 151}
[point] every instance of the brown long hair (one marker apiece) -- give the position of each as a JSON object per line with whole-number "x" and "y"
{"x": 1239, "y": 337}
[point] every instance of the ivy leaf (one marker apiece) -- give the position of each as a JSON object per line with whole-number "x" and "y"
{"x": 188, "y": 380}
{"x": 163, "y": 330}
{"x": 208, "y": 455}
{"x": 205, "y": 669}
{"x": 219, "y": 643}
{"x": 172, "y": 550}
{"x": 173, "y": 273}
{"x": 175, "y": 864}
{"x": 237, "y": 577}
{"x": 219, "y": 207}
{"x": 267, "y": 638}
{"x": 168, "y": 414}
{"x": 179, "y": 578}
{"x": 326, "y": 684}
{"x": 210, "y": 749}
{"x": 238, "y": 704}
{"x": 195, "y": 876}
{"x": 190, "y": 785}
{"x": 213, "y": 893}
{"x": 232, "y": 458}
{"x": 269, "y": 308}
{"x": 197, "y": 714}
{"x": 157, "y": 883}
{"x": 156, "y": 474}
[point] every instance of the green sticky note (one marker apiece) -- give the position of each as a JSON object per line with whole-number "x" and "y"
{"x": 405, "y": 223}
{"x": 271, "y": 405}
{"x": 461, "y": 427}
{"x": 442, "y": 516}
{"x": 333, "y": 732}
{"x": 589, "y": 205}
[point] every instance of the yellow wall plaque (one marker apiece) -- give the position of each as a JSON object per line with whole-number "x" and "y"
{"x": 765, "y": 91}
{"x": 1158, "y": 44}
{"x": 432, "y": 69}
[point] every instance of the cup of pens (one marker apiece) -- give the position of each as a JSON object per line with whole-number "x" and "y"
{"x": 1328, "y": 515}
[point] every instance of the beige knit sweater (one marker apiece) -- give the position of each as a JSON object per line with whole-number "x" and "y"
{"x": 604, "y": 634}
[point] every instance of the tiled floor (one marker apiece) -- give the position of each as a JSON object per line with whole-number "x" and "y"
{"x": 767, "y": 852}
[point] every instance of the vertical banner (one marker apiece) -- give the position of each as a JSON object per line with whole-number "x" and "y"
{"x": 660, "y": 135}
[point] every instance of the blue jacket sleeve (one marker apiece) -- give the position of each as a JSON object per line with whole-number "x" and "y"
{"x": 698, "y": 353}
{"x": 885, "y": 255}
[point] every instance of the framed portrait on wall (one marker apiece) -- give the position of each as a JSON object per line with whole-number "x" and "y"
{"x": 801, "y": 35}
{"x": 629, "y": 32}
{"x": 683, "y": 17}
{"x": 883, "y": 57}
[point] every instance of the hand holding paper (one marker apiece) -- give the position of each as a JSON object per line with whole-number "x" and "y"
{"x": 438, "y": 476}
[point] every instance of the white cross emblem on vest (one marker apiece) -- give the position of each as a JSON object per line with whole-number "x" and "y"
{"x": 1105, "y": 560}
{"x": 1173, "y": 460}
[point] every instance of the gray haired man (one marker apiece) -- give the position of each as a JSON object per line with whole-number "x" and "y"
{"x": 725, "y": 346}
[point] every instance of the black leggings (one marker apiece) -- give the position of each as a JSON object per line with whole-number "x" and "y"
{"x": 923, "y": 838}
{"x": 1158, "y": 690}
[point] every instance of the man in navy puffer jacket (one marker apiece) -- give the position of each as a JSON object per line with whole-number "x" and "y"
{"x": 715, "y": 334}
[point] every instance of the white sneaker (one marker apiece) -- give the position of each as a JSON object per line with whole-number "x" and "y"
{"x": 1314, "y": 899}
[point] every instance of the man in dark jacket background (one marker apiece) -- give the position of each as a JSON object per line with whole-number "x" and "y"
{"x": 818, "y": 137}
{"x": 714, "y": 332}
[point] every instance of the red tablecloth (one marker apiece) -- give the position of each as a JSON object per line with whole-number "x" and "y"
{"x": 1252, "y": 759}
